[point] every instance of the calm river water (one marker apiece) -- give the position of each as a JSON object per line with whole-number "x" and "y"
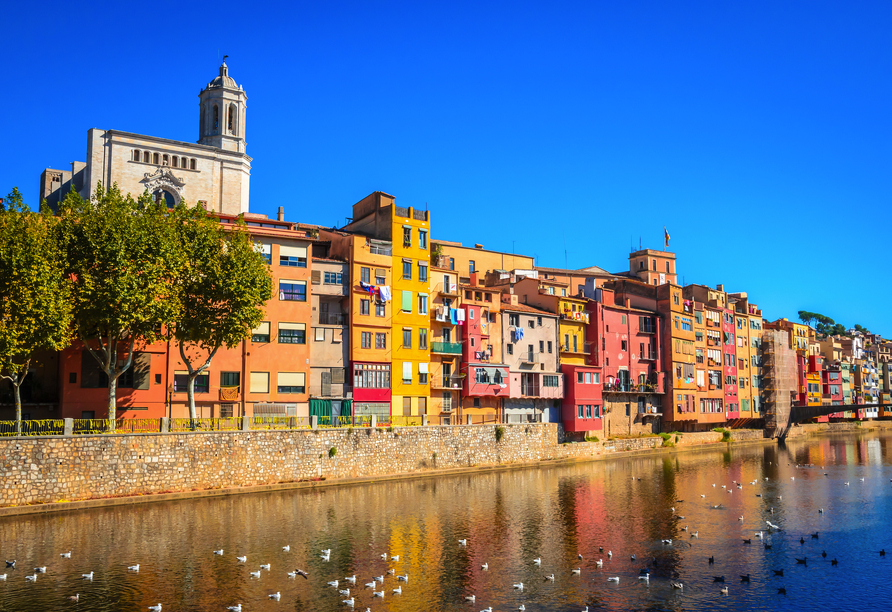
{"x": 509, "y": 519}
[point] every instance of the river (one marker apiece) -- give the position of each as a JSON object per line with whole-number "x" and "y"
{"x": 509, "y": 519}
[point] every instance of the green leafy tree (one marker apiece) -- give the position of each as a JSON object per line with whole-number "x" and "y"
{"x": 224, "y": 285}
{"x": 861, "y": 329}
{"x": 124, "y": 258}
{"x": 806, "y": 317}
{"x": 35, "y": 306}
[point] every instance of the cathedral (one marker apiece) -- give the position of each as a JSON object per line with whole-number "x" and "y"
{"x": 215, "y": 171}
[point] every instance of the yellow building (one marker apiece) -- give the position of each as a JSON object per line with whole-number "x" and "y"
{"x": 464, "y": 260}
{"x": 748, "y": 323}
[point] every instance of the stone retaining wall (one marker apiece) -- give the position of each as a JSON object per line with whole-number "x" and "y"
{"x": 52, "y": 469}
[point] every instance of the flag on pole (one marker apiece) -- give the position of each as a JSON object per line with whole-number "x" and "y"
{"x": 666, "y": 233}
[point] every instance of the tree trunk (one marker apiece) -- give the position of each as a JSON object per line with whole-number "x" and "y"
{"x": 112, "y": 402}
{"x": 190, "y": 392}
{"x": 193, "y": 374}
{"x": 17, "y": 384}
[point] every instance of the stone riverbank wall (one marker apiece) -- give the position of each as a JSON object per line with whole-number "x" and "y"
{"x": 37, "y": 470}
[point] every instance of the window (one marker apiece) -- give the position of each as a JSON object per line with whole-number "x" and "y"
{"x": 407, "y": 373}
{"x": 422, "y": 338}
{"x": 192, "y": 165}
{"x": 624, "y": 320}
{"x": 588, "y": 378}
{"x": 698, "y": 317}
{"x": 333, "y": 278}
{"x": 422, "y": 271}
{"x": 181, "y": 382}
{"x": 588, "y": 411}
{"x": 380, "y": 340}
{"x": 549, "y": 346}
{"x": 563, "y": 291}
{"x": 550, "y": 381}
{"x": 472, "y": 266}
{"x": 422, "y": 239}
{"x": 155, "y": 158}
{"x": 291, "y": 382}
{"x": 407, "y": 337}
{"x": 675, "y": 298}
{"x": 596, "y": 378}
{"x": 380, "y": 276}
{"x": 266, "y": 251}
{"x": 531, "y": 324}
{"x": 624, "y": 346}
{"x": 509, "y": 348}
{"x": 407, "y": 269}
{"x": 379, "y": 309}
{"x": 407, "y": 301}
{"x": 145, "y": 156}
{"x": 667, "y": 267}
{"x": 422, "y": 303}
{"x": 541, "y": 346}
{"x": 471, "y": 312}
{"x": 364, "y": 307}
{"x": 575, "y": 347}
{"x": 653, "y": 263}
{"x": 581, "y": 411}
{"x": 686, "y": 324}
{"x": 292, "y": 333}
{"x": 259, "y": 382}
{"x": 407, "y": 236}
{"x": 579, "y": 377}
{"x": 476, "y": 402}
{"x": 174, "y": 161}
{"x": 261, "y": 332}
{"x": 452, "y": 263}
{"x": 295, "y": 291}
{"x": 135, "y": 156}
{"x": 514, "y": 320}
{"x": 365, "y": 275}
{"x": 319, "y": 335}
{"x": 422, "y": 379}
{"x": 566, "y": 342}
{"x": 366, "y": 339}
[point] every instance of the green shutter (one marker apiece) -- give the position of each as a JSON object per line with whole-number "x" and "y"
{"x": 407, "y": 301}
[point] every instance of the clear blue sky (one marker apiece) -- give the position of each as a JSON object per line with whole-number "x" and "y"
{"x": 757, "y": 132}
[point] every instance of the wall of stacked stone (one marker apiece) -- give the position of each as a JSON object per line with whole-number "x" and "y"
{"x": 51, "y": 469}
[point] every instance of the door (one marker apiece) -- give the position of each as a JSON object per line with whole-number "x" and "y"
{"x": 335, "y": 410}
{"x": 447, "y": 375}
{"x": 326, "y": 384}
{"x": 447, "y": 335}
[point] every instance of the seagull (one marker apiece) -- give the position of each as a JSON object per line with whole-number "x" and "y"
{"x": 724, "y": 591}
{"x": 2, "y": 576}
{"x": 677, "y": 585}
{"x": 522, "y": 608}
{"x": 344, "y": 592}
{"x": 255, "y": 574}
{"x": 579, "y": 556}
{"x": 471, "y": 598}
{"x": 463, "y": 542}
{"x": 772, "y": 525}
{"x": 74, "y": 597}
{"x": 632, "y": 557}
{"x": 702, "y": 496}
{"x": 379, "y": 579}
{"x": 537, "y": 561}
{"x": 237, "y": 608}
{"x": 265, "y": 566}
{"x": 759, "y": 534}
{"x": 32, "y": 577}
{"x": 484, "y": 567}
{"x": 384, "y": 556}
{"x": 519, "y": 586}
{"x": 391, "y": 572}
{"x": 286, "y": 548}
{"x": 351, "y": 579}
{"x": 576, "y": 572}
{"x": 292, "y": 574}
{"x": 696, "y": 534}
{"x": 667, "y": 541}
{"x": 333, "y": 583}
{"x": 324, "y": 557}
{"x": 327, "y": 551}
{"x": 65, "y": 555}
{"x": 378, "y": 594}
{"x": 241, "y": 560}
{"x": 740, "y": 518}
{"x": 862, "y": 480}
{"x": 157, "y": 608}
{"x": 40, "y": 570}
{"x": 300, "y": 572}
{"x": 395, "y": 558}
{"x": 821, "y": 511}
{"x": 219, "y": 552}
{"x": 133, "y": 568}
{"x": 404, "y": 577}
{"x": 398, "y": 590}
{"x": 489, "y": 609}
{"x": 10, "y": 564}
{"x": 277, "y": 596}
{"x": 613, "y": 579}
{"x": 348, "y": 602}
{"x": 600, "y": 562}
{"x": 792, "y": 478}
{"x": 847, "y": 484}
{"x": 610, "y": 554}
{"x": 87, "y": 576}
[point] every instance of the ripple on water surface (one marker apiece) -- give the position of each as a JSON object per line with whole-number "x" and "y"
{"x": 509, "y": 519}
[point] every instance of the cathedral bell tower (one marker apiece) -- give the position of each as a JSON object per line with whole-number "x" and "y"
{"x": 223, "y": 107}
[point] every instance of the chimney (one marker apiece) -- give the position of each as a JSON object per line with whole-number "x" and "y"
{"x": 628, "y": 303}
{"x": 478, "y": 246}
{"x": 281, "y": 215}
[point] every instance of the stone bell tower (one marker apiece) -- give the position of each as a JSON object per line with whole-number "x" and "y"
{"x": 223, "y": 106}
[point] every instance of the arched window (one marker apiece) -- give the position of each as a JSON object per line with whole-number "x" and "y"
{"x": 216, "y": 118}
{"x": 193, "y": 164}
{"x": 174, "y": 160}
{"x": 164, "y": 196}
{"x": 145, "y": 156}
{"x": 165, "y": 160}
{"x": 155, "y": 158}
{"x": 232, "y": 119}
{"x": 135, "y": 155}
{"x": 641, "y": 265}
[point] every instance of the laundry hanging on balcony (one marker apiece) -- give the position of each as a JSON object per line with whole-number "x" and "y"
{"x": 453, "y": 316}
{"x": 367, "y": 287}
{"x": 460, "y": 315}
{"x": 384, "y": 293}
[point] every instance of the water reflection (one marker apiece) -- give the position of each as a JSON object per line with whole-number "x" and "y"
{"x": 509, "y": 518}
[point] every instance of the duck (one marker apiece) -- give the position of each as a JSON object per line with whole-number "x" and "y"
{"x": 286, "y": 548}
{"x": 519, "y": 586}
{"x": 65, "y": 555}
{"x": 748, "y": 541}
{"x": 814, "y": 536}
{"x": 11, "y": 564}
{"x": 632, "y": 557}
{"x": 711, "y": 560}
{"x": 613, "y": 579}
{"x": 718, "y": 578}
{"x": 745, "y": 578}
{"x": 255, "y": 574}
{"x": 265, "y": 566}
{"x": 348, "y": 602}
{"x": 823, "y": 554}
{"x": 834, "y": 562}
{"x": 883, "y": 553}
{"x": 219, "y": 552}
{"x": 398, "y": 590}
{"x": 133, "y": 568}
{"x": 300, "y": 572}
{"x": 667, "y": 541}
{"x": 579, "y": 556}
{"x": 87, "y": 576}
{"x": 782, "y": 591}
{"x": 677, "y": 585}
{"x": 779, "y": 572}
{"x": 277, "y": 596}
{"x": 821, "y": 511}
{"x": 767, "y": 546}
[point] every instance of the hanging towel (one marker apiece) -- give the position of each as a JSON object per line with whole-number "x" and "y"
{"x": 461, "y": 315}
{"x": 384, "y": 292}
{"x": 452, "y": 316}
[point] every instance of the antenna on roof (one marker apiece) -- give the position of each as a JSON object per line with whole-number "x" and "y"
{"x": 639, "y": 243}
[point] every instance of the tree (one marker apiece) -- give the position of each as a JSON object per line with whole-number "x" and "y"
{"x": 224, "y": 285}
{"x": 35, "y": 307}
{"x": 861, "y": 329}
{"x": 806, "y": 317}
{"x": 124, "y": 257}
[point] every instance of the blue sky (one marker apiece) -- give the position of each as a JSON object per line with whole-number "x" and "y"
{"x": 758, "y": 133}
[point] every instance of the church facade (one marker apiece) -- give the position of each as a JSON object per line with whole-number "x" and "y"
{"x": 215, "y": 171}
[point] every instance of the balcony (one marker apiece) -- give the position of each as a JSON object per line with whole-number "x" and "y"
{"x": 332, "y": 319}
{"x": 529, "y": 389}
{"x": 446, "y": 348}
{"x": 451, "y": 383}
{"x": 447, "y": 289}
{"x": 647, "y": 329}
{"x": 530, "y": 358}
{"x": 381, "y": 250}
{"x": 229, "y": 394}
{"x": 628, "y": 387}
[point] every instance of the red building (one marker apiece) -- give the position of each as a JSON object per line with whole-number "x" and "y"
{"x": 582, "y": 406}
{"x": 485, "y": 383}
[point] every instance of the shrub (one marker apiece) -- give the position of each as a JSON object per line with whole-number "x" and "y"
{"x": 500, "y": 433}
{"x": 332, "y": 452}
{"x": 592, "y": 439}
{"x": 667, "y": 440}
{"x": 726, "y": 433}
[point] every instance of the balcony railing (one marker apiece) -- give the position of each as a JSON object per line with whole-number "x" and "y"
{"x": 333, "y": 319}
{"x": 453, "y": 383}
{"x": 446, "y": 348}
{"x": 447, "y": 289}
{"x": 531, "y": 390}
{"x": 530, "y": 358}
{"x": 332, "y": 390}
{"x": 381, "y": 250}
{"x": 620, "y": 387}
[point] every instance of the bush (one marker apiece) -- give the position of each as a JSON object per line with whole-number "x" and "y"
{"x": 500, "y": 433}
{"x": 332, "y": 452}
{"x": 592, "y": 439}
{"x": 726, "y": 433}
{"x": 667, "y": 440}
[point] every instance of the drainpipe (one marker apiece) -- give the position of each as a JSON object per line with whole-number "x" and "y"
{"x": 244, "y": 379}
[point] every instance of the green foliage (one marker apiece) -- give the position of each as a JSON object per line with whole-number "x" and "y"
{"x": 332, "y": 452}
{"x": 861, "y": 329}
{"x": 500, "y": 433}
{"x": 726, "y": 433}
{"x": 123, "y": 259}
{"x": 592, "y": 439}
{"x": 667, "y": 440}
{"x": 35, "y": 294}
{"x": 223, "y": 286}
{"x": 824, "y": 325}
